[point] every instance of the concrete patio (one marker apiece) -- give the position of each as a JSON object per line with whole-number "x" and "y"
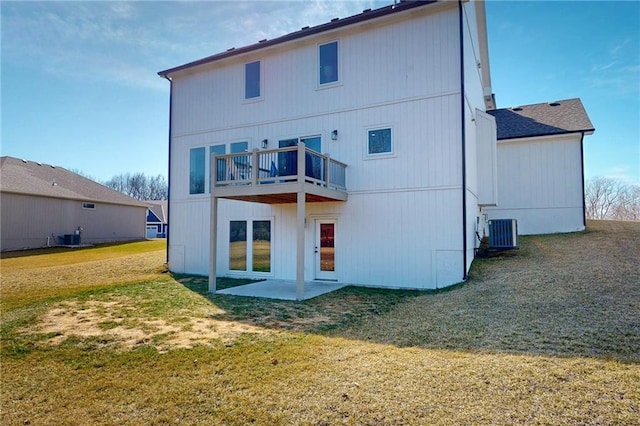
{"x": 282, "y": 289}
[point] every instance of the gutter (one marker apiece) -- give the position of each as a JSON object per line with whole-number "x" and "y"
{"x": 537, "y": 135}
{"x": 169, "y": 165}
{"x": 463, "y": 135}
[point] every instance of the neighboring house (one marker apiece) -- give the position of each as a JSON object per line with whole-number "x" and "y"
{"x": 41, "y": 204}
{"x": 357, "y": 151}
{"x": 157, "y": 222}
{"x": 540, "y": 166}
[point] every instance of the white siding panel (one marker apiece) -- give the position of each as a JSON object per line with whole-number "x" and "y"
{"x": 540, "y": 184}
{"x": 487, "y": 159}
{"x": 377, "y": 66}
{"x": 386, "y": 239}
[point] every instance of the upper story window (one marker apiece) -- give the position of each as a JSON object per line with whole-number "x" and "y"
{"x": 252, "y": 86}
{"x": 196, "y": 170}
{"x": 379, "y": 141}
{"x": 328, "y": 59}
{"x": 88, "y": 206}
{"x": 238, "y": 147}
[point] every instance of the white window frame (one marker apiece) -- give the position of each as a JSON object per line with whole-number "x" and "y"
{"x": 244, "y": 82}
{"x": 330, "y": 84}
{"x": 249, "y": 271}
{"x": 390, "y": 154}
{"x": 206, "y": 171}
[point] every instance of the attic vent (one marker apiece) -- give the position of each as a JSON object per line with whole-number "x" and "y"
{"x": 503, "y": 233}
{"x": 39, "y": 163}
{"x": 230, "y": 49}
{"x": 516, "y": 109}
{"x": 52, "y": 166}
{"x": 305, "y": 28}
{"x": 24, "y": 161}
{"x": 366, "y": 10}
{"x": 554, "y": 103}
{"x": 262, "y": 41}
{"x": 335, "y": 19}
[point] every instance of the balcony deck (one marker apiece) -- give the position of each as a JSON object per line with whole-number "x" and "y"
{"x": 281, "y": 175}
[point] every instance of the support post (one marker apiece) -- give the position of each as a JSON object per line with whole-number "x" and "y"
{"x": 327, "y": 167}
{"x": 301, "y": 210}
{"x": 302, "y": 172}
{"x": 213, "y": 222}
{"x": 301, "y": 213}
{"x": 255, "y": 169}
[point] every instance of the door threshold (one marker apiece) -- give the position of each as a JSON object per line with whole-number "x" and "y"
{"x": 331, "y": 280}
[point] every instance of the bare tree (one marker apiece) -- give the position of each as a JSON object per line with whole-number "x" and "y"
{"x": 83, "y": 174}
{"x": 607, "y": 198}
{"x": 158, "y": 188}
{"x": 628, "y": 207}
{"x": 139, "y": 186}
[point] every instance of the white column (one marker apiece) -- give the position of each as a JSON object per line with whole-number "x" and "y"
{"x": 301, "y": 213}
{"x": 213, "y": 223}
{"x": 300, "y": 246}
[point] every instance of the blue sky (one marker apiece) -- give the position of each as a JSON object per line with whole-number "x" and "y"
{"x": 80, "y": 87}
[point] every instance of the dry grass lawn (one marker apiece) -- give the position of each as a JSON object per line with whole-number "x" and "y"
{"x": 549, "y": 334}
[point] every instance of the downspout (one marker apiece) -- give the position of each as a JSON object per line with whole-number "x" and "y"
{"x": 463, "y": 134}
{"x": 169, "y": 165}
{"x": 584, "y": 202}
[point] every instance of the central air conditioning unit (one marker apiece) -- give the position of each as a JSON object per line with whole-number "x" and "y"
{"x": 503, "y": 233}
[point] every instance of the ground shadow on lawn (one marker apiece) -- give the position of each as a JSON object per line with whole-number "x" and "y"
{"x": 320, "y": 314}
{"x": 562, "y": 295}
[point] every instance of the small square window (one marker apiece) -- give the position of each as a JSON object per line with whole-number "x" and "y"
{"x": 379, "y": 142}
{"x": 252, "y": 80}
{"x": 328, "y": 62}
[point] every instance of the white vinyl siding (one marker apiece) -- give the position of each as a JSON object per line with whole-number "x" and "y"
{"x": 376, "y": 67}
{"x": 540, "y": 184}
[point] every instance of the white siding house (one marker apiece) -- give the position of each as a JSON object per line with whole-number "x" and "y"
{"x": 357, "y": 151}
{"x": 540, "y": 167}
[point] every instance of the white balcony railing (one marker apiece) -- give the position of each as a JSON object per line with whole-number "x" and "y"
{"x": 279, "y": 166}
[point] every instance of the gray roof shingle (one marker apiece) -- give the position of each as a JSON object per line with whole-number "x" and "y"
{"x": 32, "y": 178}
{"x": 159, "y": 208}
{"x": 553, "y": 118}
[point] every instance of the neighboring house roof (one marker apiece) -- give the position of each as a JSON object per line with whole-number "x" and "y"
{"x": 159, "y": 209}
{"x": 552, "y": 118}
{"x": 366, "y": 15}
{"x": 32, "y": 178}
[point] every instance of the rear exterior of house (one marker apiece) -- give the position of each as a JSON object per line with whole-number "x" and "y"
{"x": 345, "y": 152}
{"x": 41, "y": 204}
